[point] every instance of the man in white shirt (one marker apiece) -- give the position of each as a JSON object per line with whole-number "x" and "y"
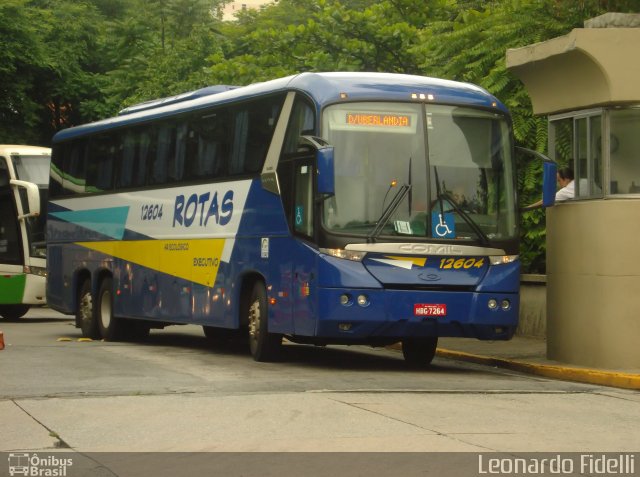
{"x": 567, "y": 184}
{"x": 567, "y": 187}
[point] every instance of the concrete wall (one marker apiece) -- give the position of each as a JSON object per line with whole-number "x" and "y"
{"x": 593, "y": 278}
{"x": 533, "y": 306}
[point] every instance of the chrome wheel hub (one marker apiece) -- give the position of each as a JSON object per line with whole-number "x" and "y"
{"x": 254, "y": 319}
{"x": 85, "y": 307}
{"x": 105, "y": 309}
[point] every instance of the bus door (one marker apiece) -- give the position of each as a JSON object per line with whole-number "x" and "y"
{"x": 296, "y": 177}
{"x": 10, "y": 236}
{"x": 11, "y": 251}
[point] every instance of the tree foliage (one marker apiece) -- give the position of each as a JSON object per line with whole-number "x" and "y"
{"x": 66, "y": 62}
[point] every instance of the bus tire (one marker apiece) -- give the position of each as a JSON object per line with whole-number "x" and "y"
{"x": 264, "y": 346}
{"x": 419, "y": 352}
{"x": 84, "y": 312}
{"x": 109, "y": 326}
{"x": 13, "y": 312}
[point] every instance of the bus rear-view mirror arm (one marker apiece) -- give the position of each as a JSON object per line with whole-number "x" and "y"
{"x": 549, "y": 171}
{"x": 33, "y": 198}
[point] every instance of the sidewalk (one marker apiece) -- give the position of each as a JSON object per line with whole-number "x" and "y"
{"x": 528, "y": 355}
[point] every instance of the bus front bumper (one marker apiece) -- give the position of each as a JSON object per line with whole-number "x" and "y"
{"x": 388, "y": 315}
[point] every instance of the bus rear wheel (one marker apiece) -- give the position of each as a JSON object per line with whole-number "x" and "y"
{"x": 264, "y": 346}
{"x": 13, "y": 312}
{"x": 419, "y": 352}
{"x": 84, "y": 312}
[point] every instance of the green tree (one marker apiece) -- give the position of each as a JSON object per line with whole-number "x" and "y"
{"x": 159, "y": 48}
{"x": 471, "y": 46}
{"x": 23, "y": 59}
{"x": 70, "y": 39}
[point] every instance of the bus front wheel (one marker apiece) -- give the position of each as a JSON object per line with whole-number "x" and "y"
{"x": 419, "y": 352}
{"x": 13, "y": 312}
{"x": 84, "y": 312}
{"x": 265, "y": 346}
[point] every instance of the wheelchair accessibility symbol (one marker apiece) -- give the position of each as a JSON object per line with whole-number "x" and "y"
{"x": 443, "y": 225}
{"x": 299, "y": 215}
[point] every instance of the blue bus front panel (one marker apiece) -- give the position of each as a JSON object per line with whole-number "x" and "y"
{"x": 400, "y": 313}
{"x": 472, "y": 298}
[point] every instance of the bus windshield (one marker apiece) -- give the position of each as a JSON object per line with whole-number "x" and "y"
{"x": 456, "y": 161}
{"x": 32, "y": 168}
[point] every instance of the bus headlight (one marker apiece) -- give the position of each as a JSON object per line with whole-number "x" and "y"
{"x": 344, "y": 254}
{"x": 345, "y": 300}
{"x": 502, "y": 259}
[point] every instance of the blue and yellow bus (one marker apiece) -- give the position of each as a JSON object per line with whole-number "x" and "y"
{"x": 327, "y": 208}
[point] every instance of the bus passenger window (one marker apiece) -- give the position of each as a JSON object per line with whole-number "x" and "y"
{"x": 303, "y": 203}
{"x": 102, "y": 151}
{"x": 55, "y": 178}
{"x": 209, "y": 145}
{"x": 176, "y": 168}
{"x": 301, "y": 122}
{"x": 125, "y": 176}
{"x": 254, "y": 125}
{"x": 165, "y": 149}
{"x": 73, "y": 172}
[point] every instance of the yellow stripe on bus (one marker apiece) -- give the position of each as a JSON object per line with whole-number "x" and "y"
{"x": 418, "y": 261}
{"x": 194, "y": 260}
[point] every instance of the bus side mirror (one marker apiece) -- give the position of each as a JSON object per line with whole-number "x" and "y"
{"x": 549, "y": 171}
{"x": 33, "y": 198}
{"x": 326, "y": 171}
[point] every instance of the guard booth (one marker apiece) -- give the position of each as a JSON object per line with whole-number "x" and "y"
{"x": 588, "y": 84}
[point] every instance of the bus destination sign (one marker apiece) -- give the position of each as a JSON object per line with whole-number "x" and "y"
{"x": 378, "y": 119}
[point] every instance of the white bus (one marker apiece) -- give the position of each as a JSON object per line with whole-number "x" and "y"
{"x": 24, "y": 182}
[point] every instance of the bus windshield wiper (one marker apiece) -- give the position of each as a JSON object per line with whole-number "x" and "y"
{"x": 388, "y": 212}
{"x": 447, "y": 196}
{"x": 474, "y": 226}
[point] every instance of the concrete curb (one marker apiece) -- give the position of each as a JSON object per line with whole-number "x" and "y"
{"x": 582, "y": 375}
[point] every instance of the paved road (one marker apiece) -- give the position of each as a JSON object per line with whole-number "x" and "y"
{"x": 176, "y": 392}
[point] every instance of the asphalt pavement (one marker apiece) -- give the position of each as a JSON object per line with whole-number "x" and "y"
{"x": 521, "y": 353}
{"x": 169, "y": 395}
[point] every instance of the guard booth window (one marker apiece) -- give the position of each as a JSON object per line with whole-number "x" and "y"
{"x": 575, "y": 142}
{"x": 624, "y": 148}
{"x": 601, "y": 145}
{"x": 588, "y": 156}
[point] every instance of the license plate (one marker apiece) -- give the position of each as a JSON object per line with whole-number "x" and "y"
{"x": 429, "y": 309}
